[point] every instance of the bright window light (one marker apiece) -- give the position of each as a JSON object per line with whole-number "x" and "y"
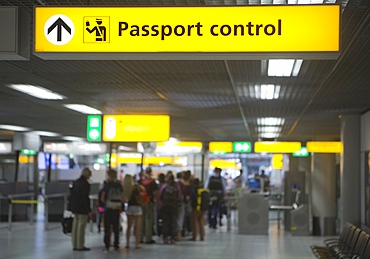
{"x": 13, "y": 128}
{"x": 284, "y": 67}
{"x": 267, "y": 92}
{"x": 270, "y": 121}
{"x": 37, "y": 91}
{"x": 82, "y": 108}
{"x": 269, "y": 129}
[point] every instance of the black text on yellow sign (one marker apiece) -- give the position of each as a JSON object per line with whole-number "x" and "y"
{"x": 260, "y": 29}
{"x": 163, "y": 31}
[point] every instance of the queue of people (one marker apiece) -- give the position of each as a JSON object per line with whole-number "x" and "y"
{"x": 173, "y": 206}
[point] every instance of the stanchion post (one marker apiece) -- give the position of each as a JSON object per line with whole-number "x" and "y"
{"x": 46, "y": 201}
{"x": 31, "y": 211}
{"x": 10, "y": 212}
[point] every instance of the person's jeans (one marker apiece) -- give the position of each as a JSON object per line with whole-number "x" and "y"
{"x": 213, "y": 211}
{"x": 78, "y": 231}
{"x": 198, "y": 223}
{"x": 169, "y": 224}
{"x": 111, "y": 218}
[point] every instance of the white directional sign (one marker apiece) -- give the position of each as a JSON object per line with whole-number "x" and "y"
{"x": 59, "y": 29}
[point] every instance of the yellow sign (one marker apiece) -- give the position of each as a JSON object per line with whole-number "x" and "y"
{"x": 324, "y": 147}
{"x": 277, "y": 161}
{"x": 210, "y": 29}
{"x": 132, "y": 128}
{"x": 221, "y": 147}
{"x": 276, "y": 147}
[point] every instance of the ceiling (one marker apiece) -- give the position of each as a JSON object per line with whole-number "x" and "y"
{"x": 207, "y": 100}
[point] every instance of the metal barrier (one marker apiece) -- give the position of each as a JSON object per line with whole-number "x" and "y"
{"x": 12, "y": 198}
{"x": 47, "y": 200}
{"x": 93, "y": 198}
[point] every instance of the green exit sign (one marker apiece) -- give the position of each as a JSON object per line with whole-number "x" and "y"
{"x": 242, "y": 147}
{"x": 28, "y": 152}
{"x": 94, "y": 128}
{"x": 302, "y": 152}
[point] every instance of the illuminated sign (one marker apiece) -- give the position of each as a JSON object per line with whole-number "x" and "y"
{"x": 201, "y": 29}
{"x": 94, "y": 128}
{"x": 277, "y": 161}
{"x": 28, "y": 152}
{"x": 132, "y": 128}
{"x": 301, "y": 153}
{"x": 220, "y": 147}
{"x": 5, "y": 147}
{"x": 324, "y": 146}
{"x": 244, "y": 147}
{"x": 276, "y": 147}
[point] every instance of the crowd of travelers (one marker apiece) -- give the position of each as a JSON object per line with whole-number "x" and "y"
{"x": 170, "y": 206}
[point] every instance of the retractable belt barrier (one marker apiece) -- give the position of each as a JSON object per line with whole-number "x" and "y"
{"x": 25, "y": 201}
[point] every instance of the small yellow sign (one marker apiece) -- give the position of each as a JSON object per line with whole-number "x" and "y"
{"x": 221, "y": 147}
{"x": 324, "y": 146}
{"x": 277, "y": 147}
{"x": 209, "y": 29}
{"x": 135, "y": 128}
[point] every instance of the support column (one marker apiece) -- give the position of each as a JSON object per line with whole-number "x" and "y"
{"x": 350, "y": 170}
{"x": 323, "y": 194}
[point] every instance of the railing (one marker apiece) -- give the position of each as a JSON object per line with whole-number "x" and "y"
{"x": 47, "y": 200}
{"x": 14, "y": 199}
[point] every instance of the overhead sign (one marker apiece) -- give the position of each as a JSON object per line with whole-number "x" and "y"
{"x": 133, "y": 128}
{"x": 301, "y": 153}
{"x": 220, "y": 147}
{"x": 324, "y": 146}
{"x": 94, "y": 126}
{"x": 276, "y": 147}
{"x": 179, "y": 30}
{"x": 242, "y": 147}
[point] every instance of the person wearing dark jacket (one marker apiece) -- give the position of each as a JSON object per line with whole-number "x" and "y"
{"x": 80, "y": 207}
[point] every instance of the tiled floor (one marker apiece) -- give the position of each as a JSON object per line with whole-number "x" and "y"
{"x": 27, "y": 241}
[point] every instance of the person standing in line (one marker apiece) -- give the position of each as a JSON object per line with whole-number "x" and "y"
{"x": 199, "y": 199}
{"x": 80, "y": 207}
{"x": 112, "y": 196}
{"x": 169, "y": 197}
{"x": 134, "y": 210}
{"x": 216, "y": 185}
{"x": 147, "y": 220}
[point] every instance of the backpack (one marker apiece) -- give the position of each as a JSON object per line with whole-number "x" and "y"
{"x": 203, "y": 199}
{"x": 141, "y": 197}
{"x": 169, "y": 195}
{"x": 114, "y": 198}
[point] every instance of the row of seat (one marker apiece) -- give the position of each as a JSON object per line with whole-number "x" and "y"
{"x": 353, "y": 243}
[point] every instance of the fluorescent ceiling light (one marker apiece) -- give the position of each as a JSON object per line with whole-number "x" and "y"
{"x": 284, "y": 67}
{"x": 37, "y": 91}
{"x": 270, "y": 121}
{"x": 269, "y": 129}
{"x": 267, "y": 92}
{"x": 82, "y": 108}
{"x": 72, "y": 138}
{"x": 46, "y": 133}
{"x": 269, "y": 135}
{"x": 14, "y": 128}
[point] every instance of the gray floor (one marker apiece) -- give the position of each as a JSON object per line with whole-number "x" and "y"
{"x": 27, "y": 241}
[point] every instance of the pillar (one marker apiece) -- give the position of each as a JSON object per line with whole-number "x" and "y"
{"x": 323, "y": 194}
{"x": 350, "y": 164}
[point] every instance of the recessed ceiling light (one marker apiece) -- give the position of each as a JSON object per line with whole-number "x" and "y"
{"x": 37, "y": 91}
{"x": 270, "y": 121}
{"x": 267, "y": 91}
{"x": 82, "y": 108}
{"x": 72, "y": 138}
{"x": 284, "y": 67}
{"x": 269, "y": 129}
{"x": 14, "y": 128}
{"x": 269, "y": 135}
